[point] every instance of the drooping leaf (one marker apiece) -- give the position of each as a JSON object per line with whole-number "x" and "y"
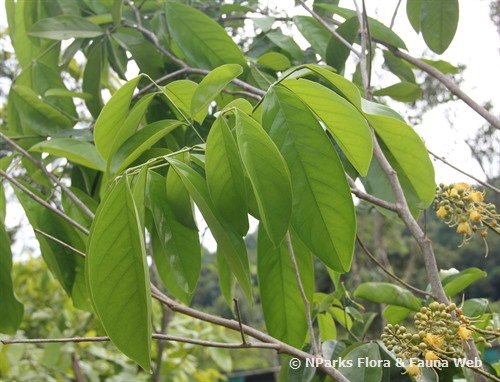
{"x": 75, "y": 150}
{"x": 12, "y": 309}
{"x": 284, "y": 311}
{"x": 112, "y": 118}
{"x": 323, "y": 212}
{"x": 314, "y": 33}
{"x": 402, "y": 91}
{"x": 336, "y": 51}
{"x": 413, "y": 11}
{"x": 439, "y": 22}
{"x": 201, "y": 40}
{"x": 362, "y": 372}
{"x": 326, "y": 326}
{"x": 117, "y": 275}
{"x": 225, "y": 176}
{"x": 395, "y": 314}
{"x": 180, "y": 93}
{"x": 399, "y": 67}
{"x": 230, "y": 243}
{"x": 268, "y": 174}
{"x": 385, "y": 293}
{"x": 64, "y": 27}
{"x": 181, "y": 244}
{"x": 286, "y": 43}
{"x": 454, "y": 284}
{"x": 92, "y": 78}
{"x": 343, "y": 120}
{"x": 275, "y": 61}
{"x": 210, "y": 87}
{"x": 442, "y": 66}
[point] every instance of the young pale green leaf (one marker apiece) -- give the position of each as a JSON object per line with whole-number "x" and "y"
{"x": 385, "y": 293}
{"x": 201, "y": 40}
{"x": 225, "y": 176}
{"x": 363, "y": 372}
{"x": 326, "y": 326}
{"x": 403, "y": 91}
{"x": 314, "y": 33}
{"x": 413, "y": 10}
{"x": 454, "y": 284}
{"x": 117, "y": 275}
{"x": 210, "y": 87}
{"x": 439, "y": 22}
{"x": 395, "y": 314}
{"x": 142, "y": 140}
{"x": 323, "y": 211}
{"x": 111, "y": 119}
{"x": 268, "y": 174}
{"x": 12, "y": 310}
{"x": 337, "y": 52}
{"x": 275, "y": 61}
{"x": 75, "y": 150}
{"x": 64, "y": 27}
{"x": 230, "y": 243}
{"x": 180, "y": 93}
{"x": 181, "y": 245}
{"x": 284, "y": 311}
{"x": 346, "y": 124}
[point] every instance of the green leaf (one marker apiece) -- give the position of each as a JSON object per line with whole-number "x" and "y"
{"x": 64, "y": 27}
{"x": 314, "y": 33}
{"x": 284, "y": 311}
{"x": 210, "y": 87}
{"x": 112, "y": 118}
{"x": 75, "y": 150}
{"x": 475, "y": 307}
{"x": 336, "y": 51}
{"x": 12, "y": 309}
{"x": 323, "y": 211}
{"x": 326, "y": 326}
{"x": 360, "y": 372}
{"x": 231, "y": 244}
{"x": 454, "y": 284}
{"x": 385, "y": 293}
{"x": 413, "y": 10}
{"x": 180, "y": 93}
{"x": 403, "y": 91}
{"x": 377, "y": 29}
{"x": 343, "y": 120}
{"x": 268, "y": 174}
{"x": 58, "y": 92}
{"x": 203, "y": 42}
{"x": 395, "y": 314}
{"x": 92, "y": 78}
{"x": 117, "y": 275}
{"x": 225, "y": 176}
{"x": 138, "y": 143}
{"x": 286, "y": 43}
{"x": 442, "y": 66}
{"x": 274, "y": 60}
{"x": 181, "y": 244}
{"x": 399, "y": 67}
{"x": 439, "y": 22}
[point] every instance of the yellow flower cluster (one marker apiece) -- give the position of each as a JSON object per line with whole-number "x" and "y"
{"x": 461, "y": 206}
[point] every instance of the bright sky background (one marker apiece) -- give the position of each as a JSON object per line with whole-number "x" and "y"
{"x": 476, "y": 45}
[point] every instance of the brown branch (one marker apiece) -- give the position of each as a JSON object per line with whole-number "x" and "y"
{"x": 370, "y": 198}
{"x": 238, "y": 316}
{"x": 51, "y": 176}
{"x": 388, "y": 272}
{"x": 393, "y": 18}
{"x": 66, "y": 245}
{"x": 75, "y": 363}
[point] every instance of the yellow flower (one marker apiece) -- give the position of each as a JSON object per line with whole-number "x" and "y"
{"x": 413, "y": 370}
{"x": 430, "y": 356}
{"x": 441, "y": 212}
{"x": 463, "y": 332}
{"x": 458, "y": 186}
{"x": 464, "y": 228}
{"x": 477, "y": 196}
{"x": 433, "y": 340}
{"x": 474, "y": 215}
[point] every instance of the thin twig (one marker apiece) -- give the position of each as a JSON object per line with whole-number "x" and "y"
{"x": 51, "y": 176}
{"x": 75, "y": 363}
{"x": 393, "y": 19}
{"x": 388, "y": 272}
{"x": 370, "y": 198}
{"x": 314, "y": 346}
{"x": 485, "y": 184}
{"x": 363, "y": 24}
{"x": 78, "y": 252}
{"x": 238, "y": 316}
{"x": 39, "y": 200}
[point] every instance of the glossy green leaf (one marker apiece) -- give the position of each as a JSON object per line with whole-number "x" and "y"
{"x": 275, "y": 61}
{"x": 57, "y": 92}
{"x": 117, "y": 275}
{"x": 343, "y": 120}
{"x": 377, "y": 29}
{"x": 92, "y": 79}
{"x": 75, "y": 150}
{"x": 413, "y": 10}
{"x": 326, "y": 326}
{"x": 179, "y": 199}
{"x": 399, "y": 67}
{"x": 180, "y": 94}
{"x": 395, "y": 314}
{"x": 475, "y": 307}
{"x": 112, "y": 118}
{"x": 286, "y": 43}
{"x": 64, "y": 27}
{"x": 230, "y": 243}
{"x": 385, "y": 293}
{"x": 181, "y": 245}
{"x": 454, "y": 284}
{"x": 268, "y": 174}
{"x": 314, "y": 33}
{"x": 323, "y": 212}
{"x": 210, "y": 87}
{"x": 439, "y": 22}
{"x": 201, "y": 40}
{"x": 284, "y": 311}
{"x": 225, "y": 176}
{"x": 403, "y": 91}
{"x": 138, "y": 143}
{"x": 12, "y": 310}
{"x": 361, "y": 372}
{"x": 337, "y": 52}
